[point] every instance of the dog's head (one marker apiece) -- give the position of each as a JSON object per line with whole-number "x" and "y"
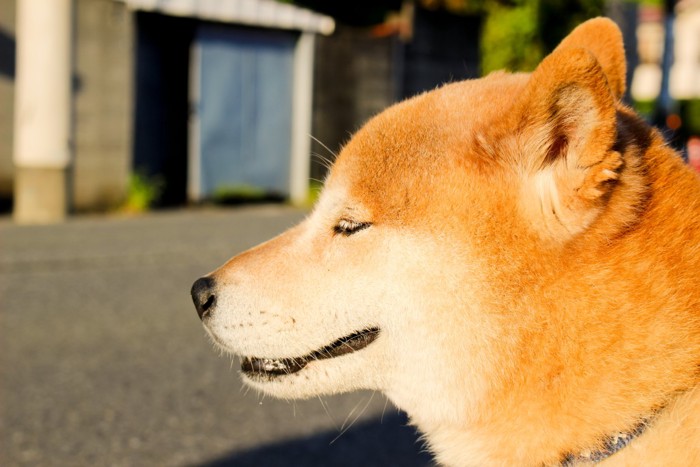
{"x": 436, "y": 219}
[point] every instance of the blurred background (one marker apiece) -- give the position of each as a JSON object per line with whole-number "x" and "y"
{"x": 174, "y": 102}
{"x": 143, "y": 142}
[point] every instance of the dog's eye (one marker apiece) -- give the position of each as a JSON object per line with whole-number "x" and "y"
{"x": 347, "y": 227}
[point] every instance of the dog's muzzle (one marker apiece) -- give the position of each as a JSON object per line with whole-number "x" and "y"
{"x": 203, "y": 296}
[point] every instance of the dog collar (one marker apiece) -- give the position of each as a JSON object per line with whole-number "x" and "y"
{"x": 611, "y": 445}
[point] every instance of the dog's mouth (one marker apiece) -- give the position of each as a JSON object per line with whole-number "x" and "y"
{"x": 270, "y": 367}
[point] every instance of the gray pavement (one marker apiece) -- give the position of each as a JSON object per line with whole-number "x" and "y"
{"x": 103, "y": 360}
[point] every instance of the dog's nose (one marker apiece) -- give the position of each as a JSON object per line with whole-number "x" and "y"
{"x": 203, "y": 296}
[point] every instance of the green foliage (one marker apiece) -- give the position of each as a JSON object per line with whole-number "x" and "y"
{"x": 690, "y": 113}
{"x": 510, "y": 39}
{"x": 239, "y": 194}
{"x": 249, "y": 194}
{"x": 143, "y": 192}
{"x": 518, "y": 34}
{"x": 645, "y": 108}
{"x": 239, "y": 191}
{"x": 315, "y": 188}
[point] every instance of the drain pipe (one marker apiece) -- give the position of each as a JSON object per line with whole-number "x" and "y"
{"x": 42, "y": 125}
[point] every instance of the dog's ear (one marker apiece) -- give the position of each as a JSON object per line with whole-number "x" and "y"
{"x": 602, "y": 38}
{"x": 568, "y": 130}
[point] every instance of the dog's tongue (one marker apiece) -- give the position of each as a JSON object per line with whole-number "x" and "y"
{"x": 272, "y": 366}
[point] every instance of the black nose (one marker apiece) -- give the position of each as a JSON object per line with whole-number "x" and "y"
{"x": 203, "y": 296}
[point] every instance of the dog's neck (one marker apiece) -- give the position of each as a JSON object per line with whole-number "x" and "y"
{"x": 471, "y": 448}
{"x": 470, "y": 445}
{"x": 609, "y": 446}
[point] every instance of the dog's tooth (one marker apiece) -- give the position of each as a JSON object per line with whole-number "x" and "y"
{"x": 271, "y": 364}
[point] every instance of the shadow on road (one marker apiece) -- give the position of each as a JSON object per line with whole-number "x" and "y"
{"x": 377, "y": 443}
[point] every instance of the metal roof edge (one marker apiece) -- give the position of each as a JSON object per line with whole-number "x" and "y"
{"x": 261, "y": 13}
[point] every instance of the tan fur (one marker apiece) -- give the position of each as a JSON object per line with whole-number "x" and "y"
{"x": 533, "y": 264}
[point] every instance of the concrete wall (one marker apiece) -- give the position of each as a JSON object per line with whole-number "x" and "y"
{"x": 103, "y": 103}
{"x": 357, "y": 75}
{"x": 444, "y": 48}
{"x": 353, "y": 80}
{"x": 7, "y": 69}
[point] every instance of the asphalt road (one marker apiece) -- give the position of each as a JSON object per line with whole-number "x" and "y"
{"x": 103, "y": 361}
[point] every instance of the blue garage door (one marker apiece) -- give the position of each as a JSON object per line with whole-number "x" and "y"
{"x": 243, "y": 106}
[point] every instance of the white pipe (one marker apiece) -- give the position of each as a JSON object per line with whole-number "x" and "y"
{"x": 43, "y": 84}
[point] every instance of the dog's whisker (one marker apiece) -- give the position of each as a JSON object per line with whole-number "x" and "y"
{"x": 352, "y": 411}
{"x": 364, "y": 409}
{"x": 332, "y": 153}
{"x": 324, "y": 161}
{"x": 386, "y": 402}
{"x": 328, "y": 412}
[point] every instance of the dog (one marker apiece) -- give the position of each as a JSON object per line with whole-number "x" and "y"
{"x": 513, "y": 260}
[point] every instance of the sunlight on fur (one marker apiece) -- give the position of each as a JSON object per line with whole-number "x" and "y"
{"x": 514, "y": 261}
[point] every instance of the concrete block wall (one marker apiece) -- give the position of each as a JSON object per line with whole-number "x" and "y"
{"x": 7, "y": 96}
{"x": 353, "y": 80}
{"x": 103, "y": 103}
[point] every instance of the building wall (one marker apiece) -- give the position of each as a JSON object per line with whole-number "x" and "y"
{"x": 353, "y": 80}
{"x": 444, "y": 48}
{"x": 358, "y": 74}
{"x": 103, "y": 103}
{"x": 7, "y": 95}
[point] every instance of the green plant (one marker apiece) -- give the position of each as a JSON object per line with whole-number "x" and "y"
{"x": 315, "y": 188}
{"x": 510, "y": 39}
{"x": 690, "y": 110}
{"x": 239, "y": 194}
{"x": 645, "y": 108}
{"x": 142, "y": 192}
{"x": 517, "y": 34}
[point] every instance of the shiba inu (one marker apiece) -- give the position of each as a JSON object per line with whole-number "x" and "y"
{"x": 513, "y": 260}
